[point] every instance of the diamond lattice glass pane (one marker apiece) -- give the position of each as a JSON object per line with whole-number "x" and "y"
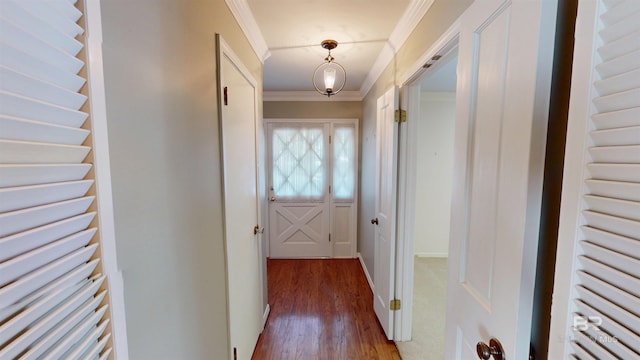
{"x": 298, "y": 163}
{"x": 344, "y": 163}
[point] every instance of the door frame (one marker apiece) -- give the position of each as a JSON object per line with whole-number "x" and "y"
{"x": 405, "y": 231}
{"x": 267, "y": 170}
{"x": 580, "y": 110}
{"x": 227, "y": 51}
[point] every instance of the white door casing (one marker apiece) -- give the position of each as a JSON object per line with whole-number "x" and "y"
{"x": 384, "y": 222}
{"x": 241, "y": 205}
{"x": 504, "y": 73}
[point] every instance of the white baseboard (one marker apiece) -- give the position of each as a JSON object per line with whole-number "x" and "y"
{"x": 366, "y": 271}
{"x": 265, "y": 316}
{"x": 431, "y": 255}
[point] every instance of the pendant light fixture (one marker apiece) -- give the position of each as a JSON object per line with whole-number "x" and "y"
{"x": 334, "y": 77}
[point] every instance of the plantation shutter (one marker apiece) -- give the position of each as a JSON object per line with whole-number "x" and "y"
{"x": 53, "y": 302}
{"x": 606, "y": 321}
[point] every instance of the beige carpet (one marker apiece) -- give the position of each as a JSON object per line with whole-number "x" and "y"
{"x": 429, "y": 305}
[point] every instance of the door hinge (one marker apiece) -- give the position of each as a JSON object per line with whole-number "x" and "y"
{"x": 394, "y": 304}
{"x": 329, "y": 189}
{"x": 225, "y": 95}
{"x": 401, "y": 116}
{"x": 329, "y": 237}
{"x": 329, "y": 139}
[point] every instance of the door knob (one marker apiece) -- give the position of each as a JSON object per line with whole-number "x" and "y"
{"x": 374, "y": 221}
{"x": 258, "y": 229}
{"x": 485, "y": 352}
{"x": 273, "y": 198}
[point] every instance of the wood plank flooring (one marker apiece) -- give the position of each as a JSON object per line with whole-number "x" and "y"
{"x": 321, "y": 309}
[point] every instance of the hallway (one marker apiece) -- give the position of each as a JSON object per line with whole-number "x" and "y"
{"x": 321, "y": 309}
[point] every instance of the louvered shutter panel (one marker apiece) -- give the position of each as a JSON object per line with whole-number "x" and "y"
{"x": 53, "y": 302}
{"x": 606, "y": 322}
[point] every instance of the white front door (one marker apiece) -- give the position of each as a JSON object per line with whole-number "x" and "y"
{"x": 385, "y": 244}
{"x": 299, "y": 190}
{"x": 504, "y": 74}
{"x": 243, "y": 249}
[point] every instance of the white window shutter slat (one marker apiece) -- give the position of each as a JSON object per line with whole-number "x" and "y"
{"x": 617, "y": 136}
{"x": 623, "y": 298}
{"x": 597, "y": 351}
{"x": 54, "y": 18}
{"x": 611, "y": 241}
{"x": 28, "y": 108}
{"x": 105, "y": 355}
{"x": 618, "y": 83}
{"x": 609, "y": 327}
{"x": 629, "y": 154}
{"x": 21, "y": 197}
{"x": 76, "y": 277}
{"x": 618, "y": 10}
{"x": 618, "y": 118}
{"x": 620, "y": 47}
{"x": 617, "y": 101}
{"x": 36, "y": 27}
{"x": 94, "y": 351}
{"x": 582, "y": 353}
{"x": 27, "y": 152}
{"x": 45, "y": 343}
{"x": 615, "y": 312}
{"x": 35, "y": 131}
{"x": 70, "y": 12}
{"x": 25, "y": 63}
{"x": 22, "y": 242}
{"x": 619, "y": 65}
{"x": 21, "y": 265}
{"x": 52, "y": 53}
{"x": 23, "y": 174}
{"x": 615, "y": 207}
{"x": 17, "y": 290}
{"x": 22, "y": 321}
{"x": 49, "y": 321}
{"x": 26, "y": 219}
{"x": 84, "y": 329}
{"x": 615, "y": 277}
{"x": 27, "y": 86}
{"x": 620, "y": 29}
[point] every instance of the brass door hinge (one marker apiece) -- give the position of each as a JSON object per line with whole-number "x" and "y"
{"x": 401, "y": 116}
{"x": 394, "y": 304}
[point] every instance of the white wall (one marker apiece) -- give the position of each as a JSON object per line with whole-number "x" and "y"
{"x": 434, "y": 171}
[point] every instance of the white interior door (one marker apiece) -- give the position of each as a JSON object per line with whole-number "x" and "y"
{"x": 385, "y": 244}
{"x": 504, "y": 73}
{"x": 299, "y": 218}
{"x": 238, "y": 132}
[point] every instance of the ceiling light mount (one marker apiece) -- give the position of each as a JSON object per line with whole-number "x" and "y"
{"x": 333, "y": 73}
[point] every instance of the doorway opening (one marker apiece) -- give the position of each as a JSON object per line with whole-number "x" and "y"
{"x": 429, "y": 160}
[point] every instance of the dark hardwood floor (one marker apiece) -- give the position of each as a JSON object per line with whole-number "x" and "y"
{"x": 321, "y": 309}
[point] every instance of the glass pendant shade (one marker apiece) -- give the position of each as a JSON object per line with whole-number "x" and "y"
{"x": 329, "y": 79}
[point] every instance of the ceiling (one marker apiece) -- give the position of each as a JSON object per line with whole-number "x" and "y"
{"x": 294, "y": 29}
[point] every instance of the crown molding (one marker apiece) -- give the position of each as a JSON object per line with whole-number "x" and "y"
{"x": 309, "y": 96}
{"x": 407, "y": 23}
{"x": 243, "y": 15}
